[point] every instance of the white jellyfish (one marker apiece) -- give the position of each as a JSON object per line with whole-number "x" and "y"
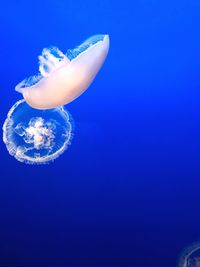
{"x": 64, "y": 77}
{"x": 37, "y": 136}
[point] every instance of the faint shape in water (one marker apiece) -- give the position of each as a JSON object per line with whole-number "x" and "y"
{"x": 35, "y": 136}
{"x": 190, "y": 257}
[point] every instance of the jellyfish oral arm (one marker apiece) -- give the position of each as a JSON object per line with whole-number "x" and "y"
{"x": 69, "y": 79}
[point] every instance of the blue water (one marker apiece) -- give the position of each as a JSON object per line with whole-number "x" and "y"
{"x": 126, "y": 192}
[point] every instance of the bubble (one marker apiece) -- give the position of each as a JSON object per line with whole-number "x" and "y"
{"x": 190, "y": 257}
{"x": 37, "y": 136}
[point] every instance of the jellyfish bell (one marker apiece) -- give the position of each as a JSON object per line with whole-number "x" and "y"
{"x": 36, "y": 136}
{"x": 63, "y": 77}
{"x": 190, "y": 256}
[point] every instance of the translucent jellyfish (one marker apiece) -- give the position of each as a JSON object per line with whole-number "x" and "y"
{"x": 64, "y": 77}
{"x": 36, "y": 136}
{"x": 190, "y": 256}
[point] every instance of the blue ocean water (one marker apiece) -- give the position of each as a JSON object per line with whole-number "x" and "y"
{"x": 126, "y": 192}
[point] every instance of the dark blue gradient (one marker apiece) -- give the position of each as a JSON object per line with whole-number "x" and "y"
{"x": 127, "y": 191}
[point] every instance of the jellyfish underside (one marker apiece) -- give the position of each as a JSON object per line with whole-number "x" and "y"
{"x": 64, "y": 77}
{"x": 34, "y": 136}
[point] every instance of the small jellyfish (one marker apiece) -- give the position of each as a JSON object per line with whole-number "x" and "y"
{"x": 64, "y": 77}
{"x": 37, "y": 136}
{"x": 190, "y": 257}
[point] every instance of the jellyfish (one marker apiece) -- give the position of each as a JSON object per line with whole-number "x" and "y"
{"x": 38, "y": 128}
{"x": 190, "y": 257}
{"x": 36, "y": 136}
{"x": 64, "y": 77}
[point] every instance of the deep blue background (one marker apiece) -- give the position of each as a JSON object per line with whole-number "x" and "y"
{"x": 127, "y": 192}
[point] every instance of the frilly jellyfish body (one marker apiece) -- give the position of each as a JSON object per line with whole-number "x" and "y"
{"x": 64, "y": 77}
{"x": 37, "y": 136}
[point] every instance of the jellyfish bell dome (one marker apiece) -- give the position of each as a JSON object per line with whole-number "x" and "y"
{"x": 37, "y": 136}
{"x": 190, "y": 256}
{"x": 64, "y": 77}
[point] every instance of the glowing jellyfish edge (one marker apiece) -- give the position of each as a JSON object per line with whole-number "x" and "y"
{"x": 64, "y": 77}
{"x": 18, "y": 153}
{"x": 187, "y": 255}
